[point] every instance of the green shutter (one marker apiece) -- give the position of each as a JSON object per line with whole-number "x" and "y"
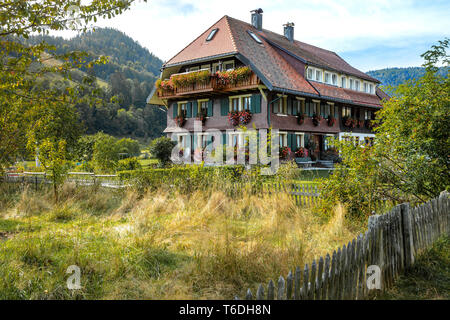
{"x": 175, "y": 110}
{"x": 256, "y": 103}
{"x": 189, "y": 110}
{"x": 289, "y": 140}
{"x": 224, "y": 138}
{"x": 295, "y": 104}
{"x": 210, "y": 108}
{"x": 336, "y": 111}
{"x": 289, "y": 105}
{"x": 224, "y": 106}
{"x": 306, "y": 140}
{"x": 194, "y": 108}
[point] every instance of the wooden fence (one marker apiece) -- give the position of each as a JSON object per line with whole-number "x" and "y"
{"x": 390, "y": 246}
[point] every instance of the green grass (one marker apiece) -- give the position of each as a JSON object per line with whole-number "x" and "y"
{"x": 429, "y": 277}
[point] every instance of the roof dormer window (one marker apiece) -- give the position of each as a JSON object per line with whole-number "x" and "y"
{"x": 310, "y": 74}
{"x": 334, "y": 79}
{"x": 343, "y": 82}
{"x": 318, "y": 75}
{"x": 357, "y": 85}
{"x": 255, "y": 37}
{"x": 212, "y": 34}
{"x": 327, "y": 78}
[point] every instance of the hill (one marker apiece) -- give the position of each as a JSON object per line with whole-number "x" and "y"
{"x": 126, "y": 81}
{"x": 395, "y": 76}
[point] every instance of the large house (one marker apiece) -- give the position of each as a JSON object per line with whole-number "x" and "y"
{"x": 239, "y": 73}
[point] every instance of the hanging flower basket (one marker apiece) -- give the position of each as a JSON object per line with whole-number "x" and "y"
{"x": 245, "y": 117}
{"x": 233, "y": 118}
{"x": 316, "y": 119}
{"x": 284, "y": 152}
{"x": 301, "y": 152}
{"x": 349, "y": 122}
{"x": 331, "y": 121}
{"x": 301, "y": 119}
{"x": 180, "y": 120}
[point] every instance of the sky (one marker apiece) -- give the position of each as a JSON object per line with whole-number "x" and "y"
{"x": 369, "y": 35}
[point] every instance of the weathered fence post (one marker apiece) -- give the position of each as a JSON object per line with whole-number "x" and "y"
{"x": 407, "y": 235}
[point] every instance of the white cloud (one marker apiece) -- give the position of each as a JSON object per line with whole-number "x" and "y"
{"x": 166, "y": 27}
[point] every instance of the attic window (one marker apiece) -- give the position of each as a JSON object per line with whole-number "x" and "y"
{"x": 255, "y": 37}
{"x": 212, "y": 34}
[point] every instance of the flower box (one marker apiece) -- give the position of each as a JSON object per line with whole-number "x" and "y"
{"x": 316, "y": 119}
{"x": 331, "y": 121}
{"x": 301, "y": 119}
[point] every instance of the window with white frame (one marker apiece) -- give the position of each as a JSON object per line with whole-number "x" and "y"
{"x": 351, "y": 84}
{"x": 235, "y": 139}
{"x": 191, "y": 69}
{"x": 203, "y": 106}
{"x": 239, "y": 103}
{"x": 318, "y": 75}
{"x": 182, "y": 108}
{"x": 300, "y": 139}
{"x": 368, "y": 115}
{"x": 371, "y": 88}
{"x": 346, "y": 112}
{"x": 310, "y": 74}
{"x": 182, "y": 140}
{"x": 280, "y": 105}
{"x": 327, "y": 78}
{"x": 215, "y": 67}
{"x": 327, "y": 141}
{"x": 203, "y": 139}
{"x": 357, "y": 85}
{"x": 366, "y": 87}
{"x": 283, "y": 139}
{"x": 298, "y": 106}
{"x": 334, "y": 79}
{"x": 228, "y": 65}
{"x": 343, "y": 82}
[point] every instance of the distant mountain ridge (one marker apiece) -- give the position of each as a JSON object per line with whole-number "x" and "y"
{"x": 395, "y": 76}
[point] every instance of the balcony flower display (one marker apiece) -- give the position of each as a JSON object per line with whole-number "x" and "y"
{"x": 233, "y": 77}
{"x": 301, "y": 152}
{"x": 180, "y": 120}
{"x": 331, "y": 120}
{"x": 301, "y": 119}
{"x": 316, "y": 119}
{"x": 360, "y": 123}
{"x": 349, "y": 122}
{"x": 187, "y": 79}
{"x": 284, "y": 152}
{"x": 201, "y": 117}
{"x": 233, "y": 118}
{"x": 166, "y": 85}
{"x": 245, "y": 117}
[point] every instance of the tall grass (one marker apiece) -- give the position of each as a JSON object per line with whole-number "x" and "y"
{"x": 160, "y": 245}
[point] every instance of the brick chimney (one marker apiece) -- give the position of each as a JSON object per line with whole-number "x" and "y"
{"x": 257, "y": 18}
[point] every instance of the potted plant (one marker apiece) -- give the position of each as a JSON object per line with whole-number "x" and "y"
{"x": 201, "y": 117}
{"x": 331, "y": 120}
{"x": 301, "y": 152}
{"x": 349, "y": 122}
{"x": 233, "y": 118}
{"x": 245, "y": 117}
{"x": 360, "y": 123}
{"x": 180, "y": 120}
{"x": 284, "y": 152}
{"x": 301, "y": 119}
{"x": 233, "y": 77}
{"x": 316, "y": 119}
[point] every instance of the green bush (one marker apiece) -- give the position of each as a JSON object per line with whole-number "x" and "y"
{"x": 129, "y": 164}
{"x": 161, "y": 149}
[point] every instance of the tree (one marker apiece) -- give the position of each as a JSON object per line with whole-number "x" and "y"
{"x": 22, "y": 64}
{"x": 409, "y": 160}
{"x": 161, "y": 149}
{"x": 106, "y": 153}
{"x": 129, "y": 146}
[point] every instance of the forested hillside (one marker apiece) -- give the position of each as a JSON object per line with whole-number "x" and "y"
{"x": 395, "y": 76}
{"x": 129, "y": 76}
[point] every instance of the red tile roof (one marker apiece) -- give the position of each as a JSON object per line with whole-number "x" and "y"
{"x": 278, "y": 62}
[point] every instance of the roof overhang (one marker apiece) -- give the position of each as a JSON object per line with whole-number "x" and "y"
{"x": 154, "y": 99}
{"x": 203, "y": 59}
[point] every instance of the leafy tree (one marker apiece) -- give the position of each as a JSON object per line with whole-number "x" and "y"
{"x": 106, "y": 153}
{"x": 409, "y": 160}
{"x": 161, "y": 149}
{"x": 22, "y": 64}
{"x": 129, "y": 146}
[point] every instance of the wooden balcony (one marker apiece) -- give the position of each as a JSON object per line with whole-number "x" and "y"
{"x": 212, "y": 87}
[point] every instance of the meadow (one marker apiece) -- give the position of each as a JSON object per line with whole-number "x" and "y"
{"x": 158, "y": 244}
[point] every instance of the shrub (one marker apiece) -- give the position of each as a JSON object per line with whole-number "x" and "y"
{"x": 161, "y": 149}
{"x": 129, "y": 164}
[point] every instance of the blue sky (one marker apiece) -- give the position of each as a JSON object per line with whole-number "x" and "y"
{"x": 368, "y": 34}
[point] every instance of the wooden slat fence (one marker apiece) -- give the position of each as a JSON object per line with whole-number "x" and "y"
{"x": 391, "y": 243}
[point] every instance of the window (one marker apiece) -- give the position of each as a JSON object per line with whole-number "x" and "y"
{"x": 228, "y": 65}
{"x": 283, "y": 139}
{"x": 236, "y": 139}
{"x": 203, "y": 106}
{"x": 182, "y": 108}
{"x": 203, "y": 140}
{"x": 280, "y": 105}
{"x": 368, "y": 115}
{"x": 182, "y": 141}
{"x": 343, "y": 82}
{"x": 298, "y": 106}
{"x": 366, "y": 87}
{"x": 300, "y": 139}
{"x": 310, "y": 74}
{"x": 318, "y": 75}
{"x": 351, "y": 84}
{"x": 356, "y": 85}
{"x": 255, "y": 37}
{"x": 316, "y": 109}
{"x": 212, "y": 34}
{"x": 215, "y": 67}
{"x": 327, "y": 77}
{"x": 371, "y": 88}
{"x": 194, "y": 69}
{"x": 334, "y": 79}
{"x": 206, "y": 67}
{"x": 327, "y": 141}
{"x": 239, "y": 103}
{"x": 346, "y": 112}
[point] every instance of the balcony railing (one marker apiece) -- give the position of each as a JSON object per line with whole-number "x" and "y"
{"x": 207, "y": 83}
